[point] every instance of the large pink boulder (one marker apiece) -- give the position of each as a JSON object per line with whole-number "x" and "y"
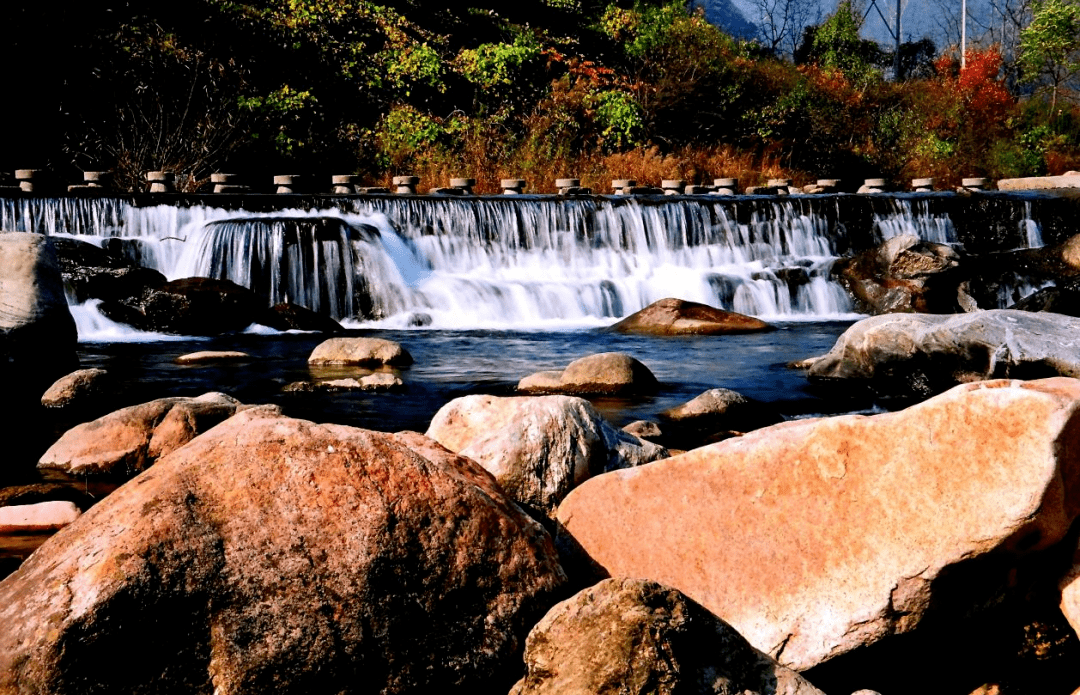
{"x": 276, "y": 555}
{"x": 815, "y": 537}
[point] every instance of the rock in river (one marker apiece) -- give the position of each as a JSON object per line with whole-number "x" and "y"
{"x": 917, "y": 355}
{"x": 815, "y": 537}
{"x": 605, "y": 373}
{"x": 277, "y": 555}
{"x": 679, "y": 317}
{"x": 538, "y": 448}
{"x": 360, "y": 351}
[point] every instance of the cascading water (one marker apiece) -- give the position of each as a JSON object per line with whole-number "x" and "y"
{"x": 505, "y": 261}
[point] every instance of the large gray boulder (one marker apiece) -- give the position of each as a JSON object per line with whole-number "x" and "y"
{"x": 918, "y": 355}
{"x": 37, "y": 332}
{"x": 633, "y": 636}
{"x": 538, "y": 448}
{"x": 278, "y": 555}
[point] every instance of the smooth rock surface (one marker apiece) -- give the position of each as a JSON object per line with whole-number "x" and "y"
{"x": 37, "y": 518}
{"x": 632, "y": 636}
{"x": 679, "y": 317}
{"x": 917, "y": 355}
{"x": 815, "y": 537}
{"x": 37, "y": 332}
{"x": 131, "y": 439}
{"x": 76, "y": 389}
{"x": 538, "y": 448}
{"x": 360, "y": 351}
{"x": 277, "y": 555}
{"x": 605, "y": 373}
{"x": 204, "y": 356}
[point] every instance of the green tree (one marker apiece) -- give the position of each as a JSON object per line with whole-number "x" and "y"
{"x": 1050, "y": 45}
{"x": 836, "y": 45}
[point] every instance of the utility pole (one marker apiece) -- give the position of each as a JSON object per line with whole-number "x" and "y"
{"x": 894, "y": 32}
{"x": 963, "y": 34}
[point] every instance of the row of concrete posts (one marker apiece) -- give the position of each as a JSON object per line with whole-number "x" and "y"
{"x": 349, "y": 184}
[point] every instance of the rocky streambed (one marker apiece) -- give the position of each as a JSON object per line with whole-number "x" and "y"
{"x": 645, "y": 525}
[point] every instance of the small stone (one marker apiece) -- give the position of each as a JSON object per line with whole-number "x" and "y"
{"x": 212, "y": 356}
{"x": 75, "y": 388}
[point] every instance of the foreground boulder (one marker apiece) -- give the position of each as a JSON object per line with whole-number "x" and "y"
{"x": 903, "y": 274}
{"x": 360, "y": 351}
{"x": 606, "y": 373}
{"x": 915, "y": 356}
{"x": 131, "y": 439}
{"x": 538, "y": 448}
{"x": 815, "y": 537}
{"x": 679, "y": 317}
{"x": 634, "y": 636}
{"x": 190, "y": 306}
{"x": 277, "y": 555}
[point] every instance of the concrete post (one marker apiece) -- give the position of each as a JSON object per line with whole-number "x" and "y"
{"x": 725, "y": 186}
{"x": 512, "y": 186}
{"x": 922, "y": 185}
{"x": 343, "y": 184}
{"x": 672, "y": 186}
{"x": 406, "y": 185}
{"x": 161, "y": 181}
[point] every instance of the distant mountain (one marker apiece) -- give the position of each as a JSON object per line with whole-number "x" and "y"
{"x": 725, "y": 15}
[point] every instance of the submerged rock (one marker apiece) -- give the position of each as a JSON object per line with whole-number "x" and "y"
{"x": 538, "y": 448}
{"x": 714, "y": 415}
{"x": 360, "y": 351}
{"x": 679, "y": 317}
{"x": 377, "y": 381}
{"x": 210, "y": 356}
{"x": 606, "y": 373}
{"x": 277, "y": 555}
{"x": 813, "y": 538}
{"x": 131, "y": 439}
{"x": 915, "y": 356}
{"x": 633, "y": 636}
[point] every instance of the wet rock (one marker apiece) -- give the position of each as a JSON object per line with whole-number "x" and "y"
{"x": 78, "y": 390}
{"x": 904, "y": 274}
{"x": 715, "y": 415}
{"x": 678, "y": 317}
{"x": 210, "y": 356}
{"x": 287, "y": 316}
{"x": 37, "y": 518}
{"x": 360, "y": 351}
{"x": 538, "y": 448}
{"x": 817, "y": 537}
{"x": 191, "y": 306}
{"x": 1057, "y": 300}
{"x": 646, "y": 430}
{"x": 277, "y": 555}
{"x": 635, "y": 636}
{"x": 611, "y": 373}
{"x": 132, "y": 439}
{"x": 915, "y": 356}
{"x": 376, "y": 381}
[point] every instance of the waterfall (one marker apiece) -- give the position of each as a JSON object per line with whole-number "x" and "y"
{"x": 513, "y": 261}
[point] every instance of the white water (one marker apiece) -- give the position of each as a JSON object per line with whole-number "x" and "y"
{"x": 490, "y": 263}
{"x": 94, "y": 327}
